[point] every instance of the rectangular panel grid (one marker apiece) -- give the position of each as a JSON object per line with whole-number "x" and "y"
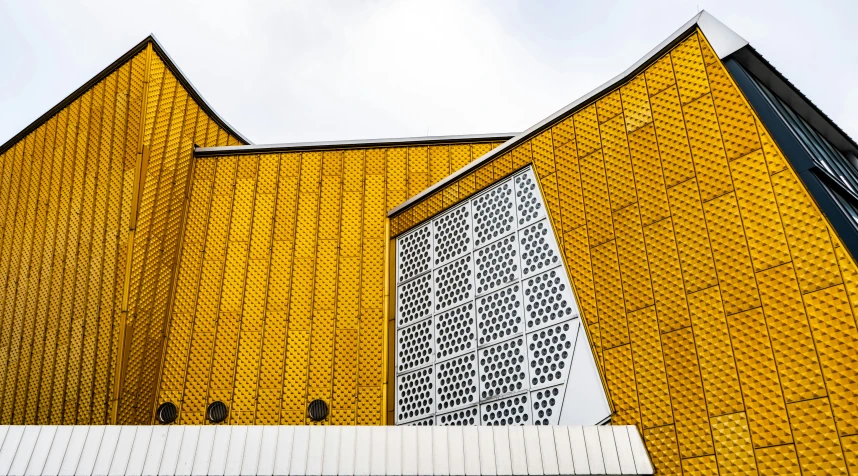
{"x": 488, "y": 313}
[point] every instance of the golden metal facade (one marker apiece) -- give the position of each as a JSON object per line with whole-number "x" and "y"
{"x": 718, "y": 299}
{"x": 72, "y": 241}
{"x": 280, "y": 291}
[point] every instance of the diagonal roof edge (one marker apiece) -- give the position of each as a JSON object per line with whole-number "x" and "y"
{"x": 782, "y": 87}
{"x": 201, "y": 101}
{"x": 348, "y": 144}
{"x": 168, "y": 61}
{"x": 722, "y": 39}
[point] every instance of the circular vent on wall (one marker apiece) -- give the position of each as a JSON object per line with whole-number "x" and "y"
{"x": 317, "y": 410}
{"x": 166, "y": 413}
{"x": 216, "y": 412}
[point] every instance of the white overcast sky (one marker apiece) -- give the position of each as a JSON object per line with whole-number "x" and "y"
{"x": 293, "y": 71}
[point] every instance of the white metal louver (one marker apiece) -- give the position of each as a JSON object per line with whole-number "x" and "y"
{"x": 176, "y": 450}
{"x": 488, "y": 329}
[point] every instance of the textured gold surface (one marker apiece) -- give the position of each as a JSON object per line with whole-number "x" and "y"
{"x": 65, "y": 208}
{"x": 718, "y": 300}
{"x": 279, "y": 296}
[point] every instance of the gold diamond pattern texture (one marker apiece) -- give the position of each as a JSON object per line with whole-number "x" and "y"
{"x": 719, "y": 303}
{"x": 775, "y": 460}
{"x": 818, "y": 448}
{"x": 297, "y": 313}
{"x": 663, "y": 449}
{"x": 714, "y": 352}
{"x": 706, "y": 274}
{"x": 146, "y": 275}
{"x": 90, "y": 235}
{"x": 733, "y": 444}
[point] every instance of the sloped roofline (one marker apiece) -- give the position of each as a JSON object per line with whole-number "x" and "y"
{"x": 767, "y": 74}
{"x": 722, "y": 39}
{"x": 348, "y": 144}
{"x": 168, "y": 61}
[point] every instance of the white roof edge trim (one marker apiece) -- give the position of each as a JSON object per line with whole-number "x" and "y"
{"x": 395, "y": 141}
{"x": 724, "y": 40}
{"x": 314, "y": 450}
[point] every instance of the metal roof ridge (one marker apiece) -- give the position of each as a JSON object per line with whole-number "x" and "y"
{"x": 192, "y": 90}
{"x": 722, "y": 39}
{"x": 341, "y": 144}
{"x": 109, "y": 69}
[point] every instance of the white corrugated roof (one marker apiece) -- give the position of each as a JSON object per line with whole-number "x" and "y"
{"x": 321, "y": 450}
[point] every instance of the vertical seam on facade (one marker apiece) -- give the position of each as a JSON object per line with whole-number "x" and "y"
{"x": 360, "y": 309}
{"x": 733, "y": 348}
{"x": 109, "y": 93}
{"x": 92, "y": 225}
{"x": 691, "y": 321}
{"x": 236, "y": 360}
{"x": 265, "y": 324}
{"x": 668, "y": 217}
{"x": 122, "y": 351}
{"x": 47, "y": 260}
{"x": 37, "y": 274}
{"x": 223, "y": 272}
{"x": 336, "y": 280}
{"x": 63, "y": 235}
{"x": 314, "y": 284}
{"x": 173, "y": 272}
{"x": 300, "y": 157}
{"x": 177, "y": 261}
{"x": 154, "y": 247}
{"x": 8, "y": 305}
{"x": 78, "y": 236}
{"x": 196, "y": 292}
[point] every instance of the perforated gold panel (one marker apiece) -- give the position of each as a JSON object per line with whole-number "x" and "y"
{"x": 718, "y": 300}
{"x": 279, "y": 297}
{"x": 67, "y": 215}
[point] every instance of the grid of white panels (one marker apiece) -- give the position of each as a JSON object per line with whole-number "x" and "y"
{"x": 487, "y": 325}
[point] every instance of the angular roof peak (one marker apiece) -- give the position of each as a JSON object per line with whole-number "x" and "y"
{"x": 168, "y": 61}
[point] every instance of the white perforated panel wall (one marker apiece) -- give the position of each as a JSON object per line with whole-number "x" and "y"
{"x": 488, "y": 330}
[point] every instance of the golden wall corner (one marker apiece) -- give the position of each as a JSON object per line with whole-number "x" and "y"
{"x": 717, "y": 299}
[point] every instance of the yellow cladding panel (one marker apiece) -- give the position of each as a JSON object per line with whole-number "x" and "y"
{"x": 649, "y": 179}
{"x": 836, "y": 335}
{"x": 687, "y": 394}
{"x": 714, "y": 352}
{"x": 761, "y": 388}
{"x": 647, "y": 353}
{"x": 279, "y": 294}
{"x": 733, "y": 444}
{"x": 637, "y": 286}
{"x": 618, "y": 165}
{"x": 68, "y": 212}
{"x": 776, "y": 460}
{"x": 718, "y": 300}
{"x": 790, "y": 333}
{"x": 663, "y": 449}
{"x": 672, "y": 137}
{"x": 816, "y": 442}
{"x": 620, "y": 373}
